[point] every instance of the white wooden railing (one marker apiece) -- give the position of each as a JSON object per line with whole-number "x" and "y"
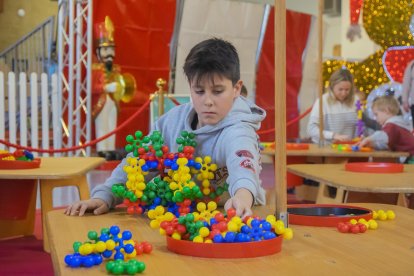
{"x": 29, "y": 111}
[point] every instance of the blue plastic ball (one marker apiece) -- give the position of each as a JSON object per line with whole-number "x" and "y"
{"x": 126, "y": 235}
{"x": 129, "y": 248}
{"x": 88, "y": 261}
{"x": 107, "y": 253}
{"x": 104, "y": 237}
{"x": 218, "y": 238}
{"x": 269, "y": 235}
{"x": 97, "y": 259}
{"x": 230, "y": 236}
{"x": 118, "y": 256}
{"x": 114, "y": 230}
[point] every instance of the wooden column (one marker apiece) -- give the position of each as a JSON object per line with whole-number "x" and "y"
{"x": 320, "y": 80}
{"x": 280, "y": 110}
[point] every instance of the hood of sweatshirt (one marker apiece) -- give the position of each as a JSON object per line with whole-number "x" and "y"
{"x": 399, "y": 121}
{"x": 243, "y": 110}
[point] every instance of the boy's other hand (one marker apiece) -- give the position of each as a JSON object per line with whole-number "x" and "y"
{"x": 242, "y": 202}
{"x": 98, "y": 206}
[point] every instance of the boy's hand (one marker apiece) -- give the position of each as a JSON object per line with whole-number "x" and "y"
{"x": 340, "y": 137}
{"x": 366, "y": 142}
{"x": 79, "y": 208}
{"x": 242, "y": 202}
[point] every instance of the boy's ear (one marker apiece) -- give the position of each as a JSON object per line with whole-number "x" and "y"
{"x": 238, "y": 87}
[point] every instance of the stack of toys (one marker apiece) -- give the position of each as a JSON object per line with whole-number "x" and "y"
{"x": 180, "y": 202}
{"x": 20, "y": 155}
{"x": 110, "y": 243}
{"x": 19, "y": 159}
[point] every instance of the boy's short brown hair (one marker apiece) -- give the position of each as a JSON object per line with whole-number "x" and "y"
{"x": 212, "y": 56}
{"x": 387, "y": 104}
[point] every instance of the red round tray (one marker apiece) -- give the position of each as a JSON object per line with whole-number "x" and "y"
{"x": 295, "y": 146}
{"x": 326, "y": 215}
{"x": 373, "y": 167}
{"x": 19, "y": 165}
{"x": 225, "y": 250}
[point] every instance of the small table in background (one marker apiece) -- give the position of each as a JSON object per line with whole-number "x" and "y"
{"x": 53, "y": 172}
{"x": 335, "y": 175}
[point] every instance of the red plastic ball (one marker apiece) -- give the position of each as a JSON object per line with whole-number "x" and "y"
{"x": 147, "y": 247}
{"x": 231, "y": 213}
{"x": 362, "y": 227}
{"x": 342, "y": 227}
{"x": 355, "y": 229}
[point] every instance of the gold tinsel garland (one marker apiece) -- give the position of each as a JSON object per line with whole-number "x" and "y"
{"x": 387, "y": 23}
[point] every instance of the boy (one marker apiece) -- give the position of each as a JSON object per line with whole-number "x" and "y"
{"x": 396, "y": 134}
{"x": 224, "y": 123}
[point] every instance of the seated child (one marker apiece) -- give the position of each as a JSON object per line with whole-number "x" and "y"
{"x": 396, "y": 133}
{"x": 225, "y": 125}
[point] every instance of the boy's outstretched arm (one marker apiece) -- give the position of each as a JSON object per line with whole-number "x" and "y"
{"x": 242, "y": 202}
{"x": 98, "y": 206}
{"x": 365, "y": 142}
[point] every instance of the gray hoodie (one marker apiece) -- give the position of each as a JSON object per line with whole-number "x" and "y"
{"x": 232, "y": 144}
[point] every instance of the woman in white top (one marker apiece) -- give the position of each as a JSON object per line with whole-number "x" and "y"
{"x": 339, "y": 110}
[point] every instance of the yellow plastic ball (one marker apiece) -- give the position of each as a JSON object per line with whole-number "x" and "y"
{"x": 198, "y": 239}
{"x": 100, "y": 246}
{"x": 204, "y": 232}
{"x": 110, "y": 245}
{"x": 382, "y": 216}
{"x": 390, "y": 214}
{"x": 362, "y": 220}
{"x": 271, "y": 219}
{"x": 232, "y": 226}
{"x": 176, "y": 236}
{"x": 280, "y": 227}
{"x": 288, "y": 234}
{"x": 86, "y": 249}
{"x": 372, "y": 224}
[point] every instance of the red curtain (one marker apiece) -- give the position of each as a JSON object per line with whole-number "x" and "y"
{"x": 298, "y": 26}
{"x": 143, "y": 30}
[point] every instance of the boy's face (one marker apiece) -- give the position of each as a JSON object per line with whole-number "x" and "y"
{"x": 213, "y": 98}
{"x": 381, "y": 116}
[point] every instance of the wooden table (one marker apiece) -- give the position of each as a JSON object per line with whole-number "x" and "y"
{"x": 53, "y": 172}
{"x": 329, "y": 155}
{"x": 336, "y": 176}
{"x": 389, "y": 250}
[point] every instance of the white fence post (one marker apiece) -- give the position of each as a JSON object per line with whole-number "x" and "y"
{"x": 23, "y": 109}
{"x": 12, "y": 108}
{"x": 34, "y": 126}
{"x": 57, "y": 134}
{"x": 45, "y": 113}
